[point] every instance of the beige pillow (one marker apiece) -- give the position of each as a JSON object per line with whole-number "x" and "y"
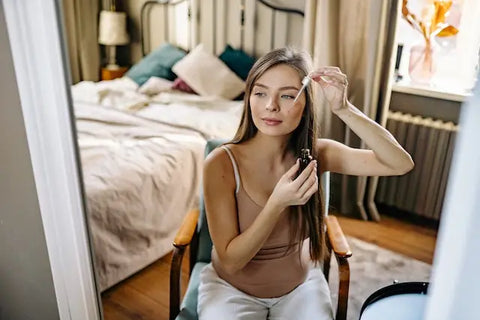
{"x": 208, "y": 75}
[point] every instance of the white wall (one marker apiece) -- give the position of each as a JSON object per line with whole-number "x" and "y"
{"x": 26, "y": 284}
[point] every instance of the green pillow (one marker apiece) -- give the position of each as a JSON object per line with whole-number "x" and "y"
{"x": 238, "y": 61}
{"x": 157, "y": 63}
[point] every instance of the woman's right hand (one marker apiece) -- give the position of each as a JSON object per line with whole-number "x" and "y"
{"x": 291, "y": 191}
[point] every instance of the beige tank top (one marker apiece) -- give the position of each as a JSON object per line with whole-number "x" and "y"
{"x": 273, "y": 271}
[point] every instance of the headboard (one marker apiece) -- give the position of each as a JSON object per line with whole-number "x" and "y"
{"x": 167, "y": 19}
{"x": 255, "y": 26}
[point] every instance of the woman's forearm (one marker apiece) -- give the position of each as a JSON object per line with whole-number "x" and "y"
{"x": 383, "y": 144}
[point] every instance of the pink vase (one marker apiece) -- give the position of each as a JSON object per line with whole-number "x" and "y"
{"x": 422, "y": 64}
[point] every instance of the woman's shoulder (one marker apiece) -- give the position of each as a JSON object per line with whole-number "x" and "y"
{"x": 320, "y": 146}
{"x": 323, "y": 144}
{"x": 217, "y": 158}
{"x": 218, "y": 165}
{"x": 220, "y": 154}
{"x": 239, "y": 151}
{"x": 325, "y": 149}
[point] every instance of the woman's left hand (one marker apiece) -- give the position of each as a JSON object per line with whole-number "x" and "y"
{"x": 334, "y": 85}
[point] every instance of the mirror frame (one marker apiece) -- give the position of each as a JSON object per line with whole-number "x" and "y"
{"x": 43, "y": 81}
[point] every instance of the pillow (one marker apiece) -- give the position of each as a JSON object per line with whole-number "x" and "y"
{"x": 208, "y": 75}
{"x": 158, "y": 63}
{"x": 181, "y": 85}
{"x": 238, "y": 61}
{"x": 155, "y": 85}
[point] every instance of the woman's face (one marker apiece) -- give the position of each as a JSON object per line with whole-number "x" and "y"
{"x": 271, "y": 101}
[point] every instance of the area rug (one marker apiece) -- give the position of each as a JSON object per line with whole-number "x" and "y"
{"x": 372, "y": 268}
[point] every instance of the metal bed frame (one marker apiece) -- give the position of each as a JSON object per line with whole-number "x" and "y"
{"x": 147, "y": 6}
{"x": 145, "y": 18}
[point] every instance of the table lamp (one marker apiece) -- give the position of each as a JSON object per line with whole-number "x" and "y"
{"x": 112, "y": 33}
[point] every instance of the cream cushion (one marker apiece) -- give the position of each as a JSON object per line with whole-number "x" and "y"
{"x": 208, "y": 75}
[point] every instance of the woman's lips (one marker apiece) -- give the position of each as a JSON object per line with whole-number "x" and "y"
{"x": 271, "y": 122}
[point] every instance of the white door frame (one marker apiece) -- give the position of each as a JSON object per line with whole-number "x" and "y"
{"x": 41, "y": 69}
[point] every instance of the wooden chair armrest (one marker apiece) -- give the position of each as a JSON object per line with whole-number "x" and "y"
{"x": 337, "y": 243}
{"x": 337, "y": 239}
{"x": 186, "y": 230}
{"x": 182, "y": 240}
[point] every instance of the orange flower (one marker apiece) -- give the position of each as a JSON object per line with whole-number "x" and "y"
{"x": 434, "y": 23}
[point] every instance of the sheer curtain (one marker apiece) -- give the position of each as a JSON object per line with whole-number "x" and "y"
{"x": 358, "y": 37}
{"x": 81, "y": 28}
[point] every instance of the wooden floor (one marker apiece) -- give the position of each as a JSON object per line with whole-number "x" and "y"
{"x": 145, "y": 295}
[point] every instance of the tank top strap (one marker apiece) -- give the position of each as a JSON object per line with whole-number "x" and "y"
{"x": 235, "y": 167}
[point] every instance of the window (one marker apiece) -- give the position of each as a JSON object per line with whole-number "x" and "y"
{"x": 457, "y": 57}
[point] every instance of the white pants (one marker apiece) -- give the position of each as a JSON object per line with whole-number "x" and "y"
{"x": 218, "y": 300}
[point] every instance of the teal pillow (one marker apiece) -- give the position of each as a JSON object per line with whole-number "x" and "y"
{"x": 157, "y": 63}
{"x": 238, "y": 61}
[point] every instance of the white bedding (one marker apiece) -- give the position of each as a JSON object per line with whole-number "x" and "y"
{"x": 142, "y": 167}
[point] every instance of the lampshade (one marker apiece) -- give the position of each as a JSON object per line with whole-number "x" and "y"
{"x": 112, "y": 28}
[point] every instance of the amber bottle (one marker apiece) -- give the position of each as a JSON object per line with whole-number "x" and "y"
{"x": 305, "y": 159}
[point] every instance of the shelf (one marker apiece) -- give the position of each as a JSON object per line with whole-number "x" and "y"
{"x": 429, "y": 91}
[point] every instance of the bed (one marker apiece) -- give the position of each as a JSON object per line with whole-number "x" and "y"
{"x": 142, "y": 151}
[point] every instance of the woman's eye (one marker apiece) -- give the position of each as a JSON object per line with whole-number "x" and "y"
{"x": 287, "y": 96}
{"x": 259, "y": 94}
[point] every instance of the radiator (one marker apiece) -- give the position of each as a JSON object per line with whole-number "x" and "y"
{"x": 430, "y": 143}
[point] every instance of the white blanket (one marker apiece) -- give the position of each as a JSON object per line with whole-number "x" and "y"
{"x": 142, "y": 173}
{"x": 120, "y": 94}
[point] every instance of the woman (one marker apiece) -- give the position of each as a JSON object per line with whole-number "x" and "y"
{"x": 264, "y": 218}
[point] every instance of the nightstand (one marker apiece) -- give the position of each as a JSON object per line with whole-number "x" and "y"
{"x": 110, "y": 74}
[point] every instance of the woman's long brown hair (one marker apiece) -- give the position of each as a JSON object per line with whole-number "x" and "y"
{"x": 309, "y": 216}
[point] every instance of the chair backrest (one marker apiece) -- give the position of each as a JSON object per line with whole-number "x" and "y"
{"x": 203, "y": 236}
